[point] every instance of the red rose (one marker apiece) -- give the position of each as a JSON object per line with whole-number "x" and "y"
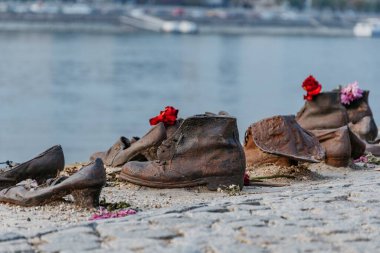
{"x": 168, "y": 117}
{"x": 312, "y": 87}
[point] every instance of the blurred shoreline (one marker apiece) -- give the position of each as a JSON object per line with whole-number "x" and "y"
{"x": 35, "y": 17}
{"x": 226, "y": 29}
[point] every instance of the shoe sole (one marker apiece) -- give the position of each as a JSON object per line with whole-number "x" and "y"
{"x": 337, "y": 162}
{"x": 212, "y": 183}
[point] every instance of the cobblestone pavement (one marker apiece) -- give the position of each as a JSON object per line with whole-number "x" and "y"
{"x": 334, "y": 215}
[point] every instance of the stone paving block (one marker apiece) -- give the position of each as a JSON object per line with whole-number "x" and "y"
{"x": 183, "y": 248}
{"x": 329, "y": 216}
{"x": 294, "y": 246}
{"x": 79, "y": 238}
{"x": 133, "y": 244}
{"x": 241, "y": 248}
{"x": 120, "y": 230}
{"x": 18, "y": 245}
{"x": 10, "y": 236}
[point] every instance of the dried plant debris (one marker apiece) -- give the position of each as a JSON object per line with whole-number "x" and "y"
{"x": 368, "y": 161}
{"x": 113, "y": 176}
{"x": 108, "y": 210}
{"x": 282, "y": 173}
{"x": 112, "y": 173}
{"x": 231, "y": 190}
{"x": 73, "y": 168}
{"x": 113, "y": 206}
{"x": 373, "y": 159}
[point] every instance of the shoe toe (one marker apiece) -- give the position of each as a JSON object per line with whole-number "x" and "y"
{"x": 133, "y": 168}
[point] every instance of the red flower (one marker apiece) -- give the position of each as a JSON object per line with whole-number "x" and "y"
{"x": 312, "y": 87}
{"x": 246, "y": 179}
{"x": 168, "y": 117}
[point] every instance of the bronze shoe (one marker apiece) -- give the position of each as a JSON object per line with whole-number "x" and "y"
{"x": 325, "y": 111}
{"x": 361, "y": 118}
{"x": 374, "y": 149}
{"x": 205, "y": 150}
{"x": 144, "y": 149}
{"x": 154, "y": 137}
{"x": 85, "y": 186}
{"x": 337, "y": 145}
{"x": 150, "y": 153}
{"x": 109, "y": 155}
{"x": 45, "y": 165}
{"x": 281, "y": 141}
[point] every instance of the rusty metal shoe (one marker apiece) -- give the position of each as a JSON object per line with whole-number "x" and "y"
{"x": 337, "y": 145}
{"x": 374, "y": 149}
{"x": 361, "y": 118}
{"x": 45, "y": 165}
{"x": 154, "y": 137}
{"x": 109, "y": 155}
{"x": 151, "y": 153}
{"x": 325, "y": 111}
{"x": 205, "y": 150}
{"x": 281, "y": 141}
{"x": 85, "y": 186}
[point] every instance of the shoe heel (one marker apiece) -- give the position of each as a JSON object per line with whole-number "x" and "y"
{"x": 87, "y": 198}
{"x": 337, "y": 162}
{"x": 213, "y": 183}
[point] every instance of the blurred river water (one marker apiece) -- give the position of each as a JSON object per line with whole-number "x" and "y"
{"x": 83, "y": 91}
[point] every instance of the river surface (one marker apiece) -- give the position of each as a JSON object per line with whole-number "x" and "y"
{"x": 83, "y": 91}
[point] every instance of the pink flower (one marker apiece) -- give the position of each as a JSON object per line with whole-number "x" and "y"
{"x": 104, "y": 214}
{"x": 362, "y": 159}
{"x": 350, "y": 93}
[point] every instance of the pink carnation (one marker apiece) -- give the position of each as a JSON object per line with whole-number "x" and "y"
{"x": 350, "y": 93}
{"x": 104, "y": 214}
{"x": 362, "y": 159}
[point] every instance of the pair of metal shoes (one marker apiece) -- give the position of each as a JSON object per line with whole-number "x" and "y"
{"x": 323, "y": 129}
{"x": 199, "y": 150}
{"x": 35, "y": 182}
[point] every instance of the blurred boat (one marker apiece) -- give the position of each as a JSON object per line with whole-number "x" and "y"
{"x": 184, "y": 27}
{"x": 368, "y": 28}
{"x": 139, "y": 19}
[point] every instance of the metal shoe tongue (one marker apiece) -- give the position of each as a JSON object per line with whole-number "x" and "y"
{"x": 125, "y": 142}
{"x": 281, "y": 135}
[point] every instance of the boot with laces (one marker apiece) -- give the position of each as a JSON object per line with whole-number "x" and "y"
{"x": 204, "y": 150}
